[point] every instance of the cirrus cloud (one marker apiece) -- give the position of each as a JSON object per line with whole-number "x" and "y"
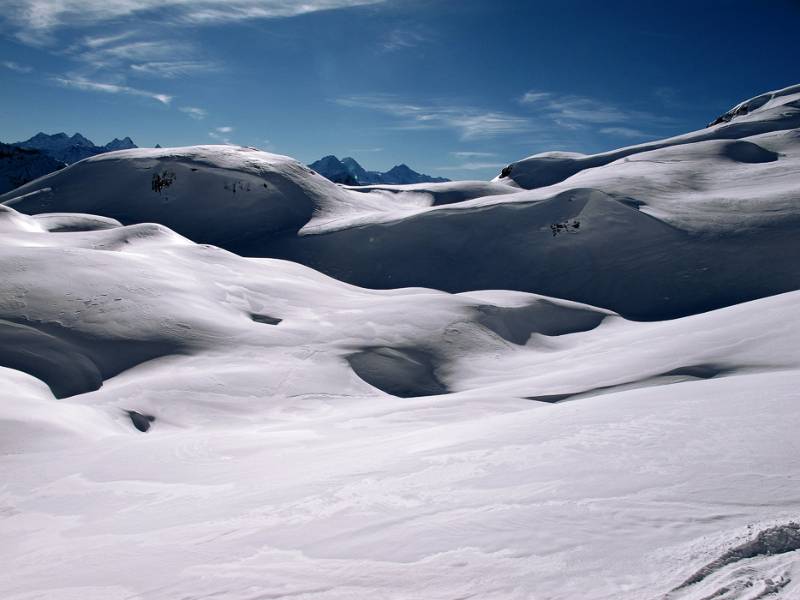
{"x": 194, "y": 112}
{"x": 468, "y": 121}
{"x": 35, "y": 21}
{"x": 87, "y": 85}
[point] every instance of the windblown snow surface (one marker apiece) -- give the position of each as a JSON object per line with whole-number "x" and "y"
{"x": 180, "y": 422}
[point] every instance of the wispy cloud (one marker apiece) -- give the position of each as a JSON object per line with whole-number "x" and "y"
{"x": 133, "y": 51}
{"x": 468, "y": 122}
{"x": 34, "y": 21}
{"x": 626, "y": 132}
{"x": 172, "y": 69}
{"x": 194, "y": 112}
{"x": 574, "y": 112}
{"x": 571, "y": 109}
{"x": 81, "y": 83}
{"x": 404, "y": 38}
{"x": 15, "y": 66}
{"x": 531, "y": 97}
{"x": 473, "y": 154}
{"x": 226, "y": 129}
{"x": 141, "y": 56}
{"x": 104, "y": 40}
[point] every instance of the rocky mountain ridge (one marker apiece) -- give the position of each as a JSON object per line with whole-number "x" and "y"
{"x": 348, "y": 171}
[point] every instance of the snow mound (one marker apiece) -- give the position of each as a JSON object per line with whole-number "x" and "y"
{"x": 234, "y": 197}
{"x": 622, "y": 250}
{"x": 13, "y": 221}
{"x": 31, "y": 421}
{"x": 651, "y": 231}
{"x": 284, "y": 425}
{"x": 788, "y": 96}
{"x": 56, "y": 222}
{"x": 227, "y": 196}
{"x": 449, "y": 192}
{"x": 773, "y": 111}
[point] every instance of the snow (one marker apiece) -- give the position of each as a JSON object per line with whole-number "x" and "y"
{"x": 272, "y": 468}
{"x": 224, "y": 195}
{"x": 774, "y": 111}
{"x": 679, "y": 213}
{"x": 309, "y": 438}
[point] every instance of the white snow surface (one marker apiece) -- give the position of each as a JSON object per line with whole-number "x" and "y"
{"x": 660, "y": 230}
{"x": 774, "y": 111}
{"x": 272, "y": 470}
{"x": 180, "y": 422}
{"x": 217, "y": 194}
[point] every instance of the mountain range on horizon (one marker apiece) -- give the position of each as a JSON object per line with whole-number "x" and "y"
{"x": 70, "y": 149}
{"x": 24, "y": 161}
{"x": 347, "y": 171}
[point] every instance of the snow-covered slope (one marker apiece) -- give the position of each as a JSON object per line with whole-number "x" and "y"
{"x": 225, "y": 195}
{"x": 774, "y": 111}
{"x": 671, "y": 228}
{"x": 249, "y": 428}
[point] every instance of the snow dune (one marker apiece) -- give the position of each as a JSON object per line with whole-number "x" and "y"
{"x": 652, "y": 231}
{"x": 269, "y": 397}
{"x": 178, "y": 421}
{"x": 773, "y": 111}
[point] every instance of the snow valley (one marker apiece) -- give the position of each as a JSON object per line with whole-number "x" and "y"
{"x": 227, "y": 376}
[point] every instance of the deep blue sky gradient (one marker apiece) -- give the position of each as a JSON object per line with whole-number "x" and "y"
{"x": 440, "y": 85}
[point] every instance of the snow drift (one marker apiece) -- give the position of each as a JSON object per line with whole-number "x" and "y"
{"x": 178, "y": 421}
{"x": 234, "y": 426}
{"x": 651, "y": 231}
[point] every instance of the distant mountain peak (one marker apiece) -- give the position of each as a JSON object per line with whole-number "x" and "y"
{"x": 125, "y": 143}
{"x": 79, "y": 140}
{"x": 332, "y": 168}
{"x": 349, "y": 172}
{"x": 66, "y": 149}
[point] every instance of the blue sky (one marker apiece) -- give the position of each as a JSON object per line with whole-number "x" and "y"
{"x": 453, "y": 88}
